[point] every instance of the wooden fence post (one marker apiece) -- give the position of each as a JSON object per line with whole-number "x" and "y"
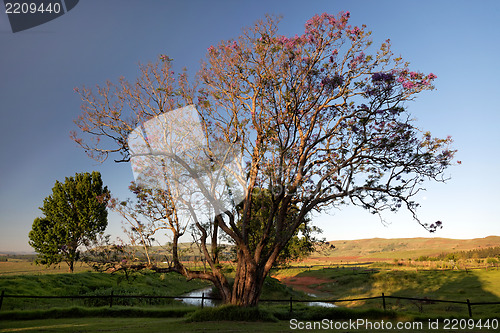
{"x": 202, "y": 299}
{"x": 291, "y": 302}
{"x": 469, "y": 307}
{"x": 1, "y": 299}
{"x": 383, "y": 300}
{"x": 111, "y": 299}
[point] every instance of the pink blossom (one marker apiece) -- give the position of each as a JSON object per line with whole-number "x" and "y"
{"x": 408, "y": 85}
{"x": 282, "y": 40}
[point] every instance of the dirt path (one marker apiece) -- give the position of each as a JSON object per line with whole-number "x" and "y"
{"x": 303, "y": 283}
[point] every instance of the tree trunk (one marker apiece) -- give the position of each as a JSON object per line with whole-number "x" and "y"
{"x": 175, "y": 254}
{"x": 71, "y": 265}
{"x": 248, "y": 283}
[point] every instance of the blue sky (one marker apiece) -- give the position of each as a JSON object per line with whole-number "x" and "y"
{"x": 101, "y": 40}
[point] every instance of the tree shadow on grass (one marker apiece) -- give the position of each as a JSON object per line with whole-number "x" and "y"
{"x": 429, "y": 285}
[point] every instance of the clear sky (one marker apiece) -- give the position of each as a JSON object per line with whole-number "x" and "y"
{"x": 459, "y": 41}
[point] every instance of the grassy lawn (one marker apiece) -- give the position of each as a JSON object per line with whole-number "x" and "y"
{"x": 352, "y": 281}
{"x": 180, "y": 325}
{"x": 134, "y": 325}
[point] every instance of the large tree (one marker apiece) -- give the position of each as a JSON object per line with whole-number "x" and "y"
{"x": 74, "y": 215}
{"x": 319, "y": 119}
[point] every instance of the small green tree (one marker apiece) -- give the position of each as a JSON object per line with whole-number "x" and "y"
{"x": 300, "y": 244}
{"x": 75, "y": 214}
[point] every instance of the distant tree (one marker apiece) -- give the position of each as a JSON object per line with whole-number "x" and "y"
{"x": 489, "y": 252}
{"x": 75, "y": 214}
{"x": 492, "y": 261}
{"x": 149, "y": 213}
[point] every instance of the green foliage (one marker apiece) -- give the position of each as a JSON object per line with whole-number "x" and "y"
{"x": 489, "y": 252}
{"x": 484, "y": 253}
{"x": 492, "y": 261}
{"x": 451, "y": 257}
{"x": 427, "y": 258}
{"x": 75, "y": 214}
{"x": 300, "y": 245}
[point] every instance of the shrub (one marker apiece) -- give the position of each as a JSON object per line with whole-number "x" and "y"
{"x": 492, "y": 261}
{"x": 232, "y": 313}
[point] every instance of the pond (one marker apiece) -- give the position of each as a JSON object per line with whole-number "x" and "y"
{"x": 197, "y": 301}
{"x": 211, "y": 303}
{"x": 322, "y": 304}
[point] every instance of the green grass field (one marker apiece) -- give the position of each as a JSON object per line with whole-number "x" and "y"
{"x": 141, "y": 325}
{"x": 180, "y": 325}
{"x": 19, "y": 266}
{"x": 92, "y": 284}
{"x": 368, "y": 281}
{"x": 327, "y": 279}
{"x": 134, "y": 325}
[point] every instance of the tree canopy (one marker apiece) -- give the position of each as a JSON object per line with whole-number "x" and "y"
{"x": 320, "y": 120}
{"x": 74, "y": 215}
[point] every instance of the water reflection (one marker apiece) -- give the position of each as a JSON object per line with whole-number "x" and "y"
{"x": 197, "y": 301}
{"x": 322, "y": 304}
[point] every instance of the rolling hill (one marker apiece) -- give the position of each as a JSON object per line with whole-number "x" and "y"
{"x": 401, "y": 248}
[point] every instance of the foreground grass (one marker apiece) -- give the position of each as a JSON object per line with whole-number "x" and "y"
{"x": 134, "y": 325}
{"x": 175, "y": 325}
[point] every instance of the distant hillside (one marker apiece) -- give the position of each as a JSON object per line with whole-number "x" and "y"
{"x": 359, "y": 249}
{"x": 402, "y": 248}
